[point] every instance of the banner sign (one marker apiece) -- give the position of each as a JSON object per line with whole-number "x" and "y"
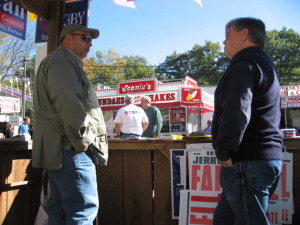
{"x": 13, "y": 19}
{"x": 115, "y": 101}
{"x": 136, "y": 86}
{"x": 9, "y": 104}
{"x": 198, "y": 203}
{"x": 291, "y": 90}
{"x": 76, "y": 12}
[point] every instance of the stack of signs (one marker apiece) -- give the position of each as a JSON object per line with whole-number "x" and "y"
{"x": 196, "y": 189}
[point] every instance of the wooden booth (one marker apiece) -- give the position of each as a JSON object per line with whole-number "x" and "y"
{"x": 134, "y": 187}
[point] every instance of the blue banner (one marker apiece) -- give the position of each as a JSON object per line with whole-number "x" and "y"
{"x": 13, "y": 19}
{"x": 76, "y": 12}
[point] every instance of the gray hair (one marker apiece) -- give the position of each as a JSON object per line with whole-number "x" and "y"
{"x": 129, "y": 99}
{"x": 146, "y": 98}
{"x": 256, "y": 28}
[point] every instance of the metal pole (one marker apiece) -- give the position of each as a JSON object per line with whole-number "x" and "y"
{"x": 24, "y": 90}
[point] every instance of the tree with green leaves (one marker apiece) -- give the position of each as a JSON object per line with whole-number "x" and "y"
{"x": 137, "y": 67}
{"x": 109, "y": 68}
{"x": 203, "y": 63}
{"x": 207, "y": 63}
{"x": 283, "y": 47}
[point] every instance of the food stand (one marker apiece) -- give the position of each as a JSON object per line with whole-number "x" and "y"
{"x": 290, "y": 103}
{"x": 181, "y": 103}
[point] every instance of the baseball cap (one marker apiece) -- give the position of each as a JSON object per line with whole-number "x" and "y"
{"x": 74, "y": 27}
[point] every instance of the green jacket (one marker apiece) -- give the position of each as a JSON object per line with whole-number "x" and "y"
{"x": 155, "y": 122}
{"x": 66, "y": 111}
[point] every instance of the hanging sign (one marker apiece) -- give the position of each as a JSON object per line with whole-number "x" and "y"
{"x": 13, "y": 19}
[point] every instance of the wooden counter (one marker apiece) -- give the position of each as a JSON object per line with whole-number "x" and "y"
{"x": 134, "y": 187}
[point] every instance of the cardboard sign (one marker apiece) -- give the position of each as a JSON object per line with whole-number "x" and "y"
{"x": 198, "y": 203}
{"x": 178, "y": 178}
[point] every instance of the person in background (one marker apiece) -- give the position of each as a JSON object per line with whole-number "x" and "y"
{"x": 245, "y": 127}
{"x": 24, "y": 128}
{"x": 69, "y": 137}
{"x": 154, "y": 117}
{"x": 131, "y": 121}
{"x": 9, "y": 131}
{"x": 207, "y": 129}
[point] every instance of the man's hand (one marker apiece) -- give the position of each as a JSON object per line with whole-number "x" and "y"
{"x": 227, "y": 163}
{"x": 155, "y": 136}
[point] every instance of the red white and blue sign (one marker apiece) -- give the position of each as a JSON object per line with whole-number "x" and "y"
{"x": 13, "y": 19}
{"x": 76, "y": 12}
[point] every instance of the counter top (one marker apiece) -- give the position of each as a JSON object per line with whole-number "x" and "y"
{"x": 152, "y": 144}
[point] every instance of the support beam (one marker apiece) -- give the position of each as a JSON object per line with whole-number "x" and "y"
{"x": 56, "y": 12}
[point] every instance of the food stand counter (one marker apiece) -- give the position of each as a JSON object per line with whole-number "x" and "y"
{"x": 134, "y": 187}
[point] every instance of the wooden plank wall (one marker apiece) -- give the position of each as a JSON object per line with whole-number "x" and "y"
{"x": 135, "y": 186}
{"x": 18, "y": 188}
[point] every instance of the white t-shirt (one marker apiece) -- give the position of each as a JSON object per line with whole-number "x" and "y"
{"x": 131, "y": 118}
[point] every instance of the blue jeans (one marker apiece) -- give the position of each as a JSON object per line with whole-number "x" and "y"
{"x": 124, "y": 136}
{"x": 74, "y": 196}
{"x": 247, "y": 186}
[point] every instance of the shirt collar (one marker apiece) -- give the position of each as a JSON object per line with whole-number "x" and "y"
{"x": 78, "y": 60}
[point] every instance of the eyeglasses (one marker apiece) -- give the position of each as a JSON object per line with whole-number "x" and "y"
{"x": 85, "y": 38}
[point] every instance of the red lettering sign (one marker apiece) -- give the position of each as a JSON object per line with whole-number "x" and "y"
{"x": 147, "y": 85}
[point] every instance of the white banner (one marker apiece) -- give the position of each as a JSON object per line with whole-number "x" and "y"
{"x": 9, "y": 105}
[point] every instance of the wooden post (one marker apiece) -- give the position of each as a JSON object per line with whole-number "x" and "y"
{"x": 56, "y": 14}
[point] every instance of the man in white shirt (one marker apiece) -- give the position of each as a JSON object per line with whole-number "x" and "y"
{"x": 131, "y": 120}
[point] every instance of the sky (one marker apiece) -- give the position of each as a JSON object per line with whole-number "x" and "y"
{"x": 157, "y": 28}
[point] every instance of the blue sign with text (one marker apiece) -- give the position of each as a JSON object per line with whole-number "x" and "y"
{"x": 13, "y": 19}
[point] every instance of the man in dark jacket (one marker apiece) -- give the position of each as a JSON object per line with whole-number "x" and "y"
{"x": 245, "y": 129}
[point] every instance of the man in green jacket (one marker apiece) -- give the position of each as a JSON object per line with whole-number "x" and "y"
{"x": 154, "y": 116}
{"x": 69, "y": 129}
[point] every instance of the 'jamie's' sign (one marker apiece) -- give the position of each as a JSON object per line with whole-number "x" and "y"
{"x": 143, "y": 85}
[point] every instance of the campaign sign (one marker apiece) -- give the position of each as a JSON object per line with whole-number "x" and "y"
{"x": 41, "y": 33}
{"x": 76, "y": 12}
{"x": 13, "y": 19}
{"x": 178, "y": 178}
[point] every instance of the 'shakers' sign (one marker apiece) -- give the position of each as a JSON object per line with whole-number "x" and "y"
{"x": 146, "y": 85}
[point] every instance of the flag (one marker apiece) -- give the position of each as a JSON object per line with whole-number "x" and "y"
{"x": 126, "y": 3}
{"x": 199, "y": 2}
{"x": 32, "y": 17}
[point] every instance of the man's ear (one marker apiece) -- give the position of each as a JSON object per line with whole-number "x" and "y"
{"x": 245, "y": 33}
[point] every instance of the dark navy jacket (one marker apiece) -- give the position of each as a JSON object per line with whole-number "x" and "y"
{"x": 247, "y": 109}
